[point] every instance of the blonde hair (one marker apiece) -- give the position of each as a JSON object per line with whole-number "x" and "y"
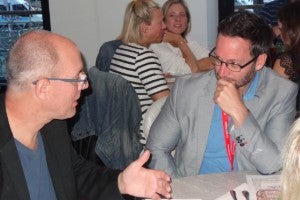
{"x": 169, "y": 3}
{"x": 291, "y": 165}
{"x": 137, "y": 11}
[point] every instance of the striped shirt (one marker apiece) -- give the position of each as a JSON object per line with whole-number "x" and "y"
{"x": 141, "y": 67}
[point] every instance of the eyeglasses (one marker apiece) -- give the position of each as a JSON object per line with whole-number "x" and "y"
{"x": 82, "y": 80}
{"x": 232, "y": 66}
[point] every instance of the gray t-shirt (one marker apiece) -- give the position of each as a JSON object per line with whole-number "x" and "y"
{"x": 36, "y": 171}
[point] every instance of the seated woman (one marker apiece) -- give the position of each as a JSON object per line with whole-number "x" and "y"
{"x": 133, "y": 60}
{"x": 178, "y": 53}
{"x": 288, "y": 63}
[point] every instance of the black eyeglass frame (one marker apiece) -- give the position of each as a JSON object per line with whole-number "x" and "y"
{"x": 230, "y": 63}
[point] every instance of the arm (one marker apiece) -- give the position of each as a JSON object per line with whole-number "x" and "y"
{"x": 163, "y": 138}
{"x": 196, "y": 65}
{"x": 179, "y": 42}
{"x": 188, "y": 55}
{"x": 264, "y": 131}
{"x": 150, "y": 73}
{"x": 265, "y": 143}
{"x": 205, "y": 64}
{"x": 159, "y": 95}
{"x": 94, "y": 182}
{"x": 101, "y": 183}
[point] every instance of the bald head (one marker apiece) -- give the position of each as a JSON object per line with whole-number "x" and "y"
{"x": 35, "y": 54}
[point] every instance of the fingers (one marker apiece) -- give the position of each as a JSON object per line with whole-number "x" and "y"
{"x": 168, "y": 75}
{"x": 155, "y": 196}
{"x": 165, "y": 176}
{"x": 164, "y": 188}
{"x": 224, "y": 86}
{"x": 222, "y": 82}
{"x": 225, "y": 94}
{"x": 143, "y": 158}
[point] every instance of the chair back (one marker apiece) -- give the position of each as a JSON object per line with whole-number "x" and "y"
{"x": 112, "y": 112}
{"x": 105, "y": 54}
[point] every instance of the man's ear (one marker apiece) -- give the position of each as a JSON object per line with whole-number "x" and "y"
{"x": 261, "y": 60}
{"x": 42, "y": 88}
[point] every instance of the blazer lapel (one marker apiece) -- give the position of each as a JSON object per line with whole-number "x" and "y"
{"x": 10, "y": 157}
{"x": 58, "y": 162}
{"x": 16, "y": 176}
{"x": 205, "y": 113}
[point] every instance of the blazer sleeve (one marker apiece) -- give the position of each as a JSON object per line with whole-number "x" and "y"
{"x": 94, "y": 182}
{"x": 265, "y": 138}
{"x": 71, "y": 174}
{"x": 163, "y": 137}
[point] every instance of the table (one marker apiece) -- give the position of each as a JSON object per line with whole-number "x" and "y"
{"x": 208, "y": 186}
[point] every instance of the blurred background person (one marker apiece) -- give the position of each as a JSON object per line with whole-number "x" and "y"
{"x": 269, "y": 13}
{"x": 290, "y": 185}
{"x": 288, "y": 63}
{"x": 178, "y": 53}
{"x": 143, "y": 25}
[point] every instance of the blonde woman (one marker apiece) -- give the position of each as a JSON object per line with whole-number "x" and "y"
{"x": 291, "y": 166}
{"x": 143, "y": 25}
{"x": 179, "y": 54}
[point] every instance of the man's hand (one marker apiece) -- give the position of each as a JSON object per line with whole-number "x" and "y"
{"x": 141, "y": 182}
{"x": 230, "y": 100}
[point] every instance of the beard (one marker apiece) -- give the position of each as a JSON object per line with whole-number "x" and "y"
{"x": 243, "y": 81}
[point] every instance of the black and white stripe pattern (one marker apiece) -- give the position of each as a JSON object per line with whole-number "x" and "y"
{"x": 141, "y": 67}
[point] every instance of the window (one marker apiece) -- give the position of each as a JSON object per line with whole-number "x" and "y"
{"x": 227, "y": 7}
{"x": 18, "y": 7}
{"x": 17, "y": 17}
{"x": 251, "y": 5}
{"x": 2, "y": 8}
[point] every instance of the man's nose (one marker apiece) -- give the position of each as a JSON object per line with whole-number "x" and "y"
{"x": 223, "y": 70}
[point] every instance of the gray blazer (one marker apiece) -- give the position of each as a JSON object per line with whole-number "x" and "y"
{"x": 184, "y": 122}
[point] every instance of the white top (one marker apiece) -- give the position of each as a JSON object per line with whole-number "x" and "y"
{"x": 171, "y": 57}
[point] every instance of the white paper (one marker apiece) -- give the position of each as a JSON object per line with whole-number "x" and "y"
{"x": 264, "y": 181}
{"x": 267, "y": 186}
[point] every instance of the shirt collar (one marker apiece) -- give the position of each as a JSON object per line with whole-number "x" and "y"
{"x": 252, "y": 88}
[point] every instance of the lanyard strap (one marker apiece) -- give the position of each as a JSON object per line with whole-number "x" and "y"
{"x": 230, "y": 145}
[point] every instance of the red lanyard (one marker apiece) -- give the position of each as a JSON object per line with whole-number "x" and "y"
{"x": 230, "y": 145}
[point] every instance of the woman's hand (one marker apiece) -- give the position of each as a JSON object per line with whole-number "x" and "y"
{"x": 174, "y": 39}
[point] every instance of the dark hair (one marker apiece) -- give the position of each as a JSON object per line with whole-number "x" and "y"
{"x": 248, "y": 26}
{"x": 289, "y": 16}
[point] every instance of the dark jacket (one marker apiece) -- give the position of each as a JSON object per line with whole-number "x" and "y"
{"x": 111, "y": 112}
{"x": 72, "y": 176}
{"x": 105, "y": 54}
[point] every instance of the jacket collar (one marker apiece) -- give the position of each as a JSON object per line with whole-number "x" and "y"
{"x": 9, "y": 155}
